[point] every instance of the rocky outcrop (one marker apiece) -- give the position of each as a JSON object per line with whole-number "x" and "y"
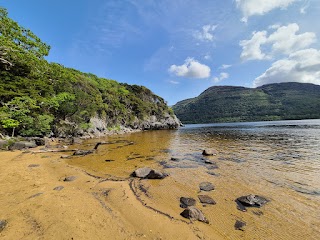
{"x": 156, "y": 123}
{"x": 22, "y": 145}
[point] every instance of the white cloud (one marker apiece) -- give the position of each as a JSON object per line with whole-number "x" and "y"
{"x": 207, "y": 57}
{"x": 174, "y": 82}
{"x": 225, "y": 66}
{"x": 221, "y": 77}
{"x": 286, "y": 40}
{"x": 260, "y": 7}
{"x": 301, "y": 66}
{"x": 191, "y": 69}
{"x": 206, "y": 33}
{"x": 283, "y": 40}
{"x": 251, "y": 49}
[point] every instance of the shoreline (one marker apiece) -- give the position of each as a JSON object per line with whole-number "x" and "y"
{"x": 88, "y": 207}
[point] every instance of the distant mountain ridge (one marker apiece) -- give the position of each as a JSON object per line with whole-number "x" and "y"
{"x": 278, "y": 101}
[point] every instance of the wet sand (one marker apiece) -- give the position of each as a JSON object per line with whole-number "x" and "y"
{"x": 104, "y": 202}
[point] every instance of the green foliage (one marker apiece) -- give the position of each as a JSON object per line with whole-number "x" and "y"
{"x": 266, "y": 103}
{"x": 38, "y": 97}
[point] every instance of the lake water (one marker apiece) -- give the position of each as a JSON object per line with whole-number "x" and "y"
{"x": 279, "y": 160}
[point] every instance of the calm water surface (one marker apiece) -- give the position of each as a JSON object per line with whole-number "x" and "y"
{"x": 279, "y": 160}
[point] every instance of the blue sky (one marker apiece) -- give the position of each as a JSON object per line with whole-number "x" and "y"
{"x": 179, "y": 48}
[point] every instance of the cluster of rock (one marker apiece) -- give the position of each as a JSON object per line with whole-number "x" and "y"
{"x": 190, "y": 211}
{"x": 15, "y": 144}
{"x": 148, "y": 173}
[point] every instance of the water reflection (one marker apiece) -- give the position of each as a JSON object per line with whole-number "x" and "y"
{"x": 288, "y": 151}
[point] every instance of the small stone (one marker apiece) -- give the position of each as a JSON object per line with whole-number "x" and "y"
{"x": 239, "y": 225}
{"x": 65, "y": 156}
{"x": 207, "y": 152}
{"x": 69, "y": 179}
{"x": 59, "y": 188}
{"x": 174, "y": 159}
{"x": 36, "y": 195}
{"x": 194, "y": 213}
{"x": 206, "y": 199}
{"x": 82, "y": 152}
{"x": 186, "y": 202}
{"x": 33, "y": 165}
{"x": 3, "y": 224}
{"x": 206, "y": 186}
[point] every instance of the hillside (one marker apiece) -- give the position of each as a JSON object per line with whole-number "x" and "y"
{"x": 282, "y": 101}
{"x": 38, "y": 98}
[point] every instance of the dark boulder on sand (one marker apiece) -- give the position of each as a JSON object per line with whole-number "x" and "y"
{"x": 194, "y": 213}
{"x": 187, "y": 202}
{"x": 206, "y": 186}
{"x": 148, "y": 173}
{"x": 206, "y": 199}
{"x": 252, "y": 200}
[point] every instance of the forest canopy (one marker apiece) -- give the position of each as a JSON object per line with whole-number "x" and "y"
{"x": 38, "y": 97}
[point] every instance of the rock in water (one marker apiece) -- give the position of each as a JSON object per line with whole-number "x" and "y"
{"x": 3, "y": 224}
{"x": 239, "y": 225}
{"x": 206, "y": 186}
{"x": 82, "y": 152}
{"x": 186, "y": 202}
{"x": 69, "y": 179}
{"x": 207, "y": 152}
{"x": 59, "y": 188}
{"x": 141, "y": 172}
{"x": 252, "y": 200}
{"x": 148, "y": 173}
{"x": 23, "y": 145}
{"x": 206, "y": 199}
{"x": 194, "y": 213}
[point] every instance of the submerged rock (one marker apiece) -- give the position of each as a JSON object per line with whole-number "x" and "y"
{"x": 82, "y": 152}
{"x": 194, "y": 213}
{"x": 208, "y": 152}
{"x": 59, "y": 188}
{"x": 206, "y": 199}
{"x": 69, "y": 179}
{"x": 252, "y": 200}
{"x": 3, "y": 224}
{"x": 206, "y": 186}
{"x": 239, "y": 225}
{"x": 148, "y": 173}
{"x": 187, "y": 202}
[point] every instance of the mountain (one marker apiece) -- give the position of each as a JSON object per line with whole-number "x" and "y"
{"x": 279, "y": 101}
{"x": 39, "y": 98}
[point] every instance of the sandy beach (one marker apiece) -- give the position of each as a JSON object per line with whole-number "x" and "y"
{"x": 102, "y": 201}
{"x": 86, "y": 208}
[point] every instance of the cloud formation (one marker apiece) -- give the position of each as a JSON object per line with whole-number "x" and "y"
{"x": 221, "y": 77}
{"x": 206, "y": 34}
{"x": 260, "y": 7}
{"x": 301, "y": 66}
{"x": 284, "y": 40}
{"x": 190, "y": 69}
